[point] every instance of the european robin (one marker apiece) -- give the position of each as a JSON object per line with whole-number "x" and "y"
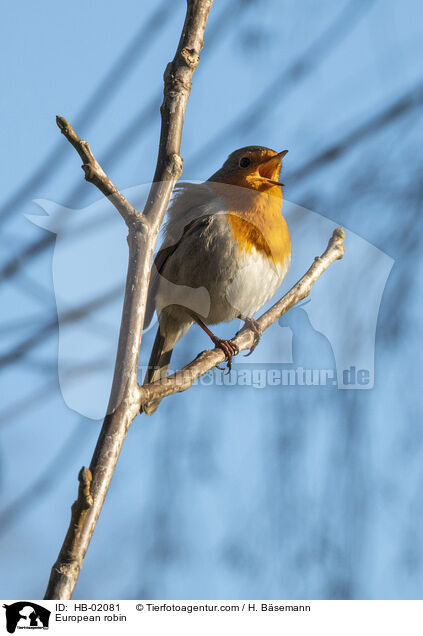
{"x": 226, "y": 250}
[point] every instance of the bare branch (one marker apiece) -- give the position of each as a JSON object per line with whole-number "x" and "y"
{"x": 143, "y": 231}
{"x": 67, "y": 567}
{"x": 177, "y": 79}
{"x": 95, "y": 174}
{"x": 126, "y": 395}
{"x": 183, "y": 379}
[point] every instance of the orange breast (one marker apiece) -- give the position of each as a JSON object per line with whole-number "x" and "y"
{"x": 256, "y": 220}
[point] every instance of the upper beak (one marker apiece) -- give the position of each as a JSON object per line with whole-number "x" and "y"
{"x": 280, "y": 155}
{"x": 268, "y": 168}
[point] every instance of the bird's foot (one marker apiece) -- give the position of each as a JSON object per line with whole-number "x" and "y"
{"x": 228, "y": 347}
{"x": 252, "y": 324}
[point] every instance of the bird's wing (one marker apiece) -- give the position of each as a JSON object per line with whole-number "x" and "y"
{"x": 187, "y": 211}
{"x": 158, "y": 264}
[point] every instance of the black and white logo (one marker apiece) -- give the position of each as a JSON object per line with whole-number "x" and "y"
{"x": 26, "y": 615}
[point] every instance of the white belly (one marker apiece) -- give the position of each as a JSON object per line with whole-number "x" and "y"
{"x": 256, "y": 281}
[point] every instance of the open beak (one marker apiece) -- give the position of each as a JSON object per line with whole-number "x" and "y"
{"x": 270, "y": 167}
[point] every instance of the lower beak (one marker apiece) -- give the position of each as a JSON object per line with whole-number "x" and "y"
{"x": 268, "y": 168}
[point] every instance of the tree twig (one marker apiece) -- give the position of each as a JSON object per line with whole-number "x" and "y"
{"x": 95, "y": 174}
{"x": 143, "y": 231}
{"x": 68, "y": 568}
{"x": 183, "y": 379}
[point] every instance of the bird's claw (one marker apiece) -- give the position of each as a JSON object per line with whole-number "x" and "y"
{"x": 252, "y": 324}
{"x": 229, "y": 348}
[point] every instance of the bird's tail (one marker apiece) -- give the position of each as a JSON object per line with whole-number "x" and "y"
{"x": 166, "y": 338}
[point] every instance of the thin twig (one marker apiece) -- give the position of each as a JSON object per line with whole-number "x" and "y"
{"x": 95, "y": 174}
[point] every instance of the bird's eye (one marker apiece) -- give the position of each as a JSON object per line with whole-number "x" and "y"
{"x": 244, "y": 162}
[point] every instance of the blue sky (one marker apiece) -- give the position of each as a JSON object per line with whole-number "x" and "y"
{"x": 226, "y": 492}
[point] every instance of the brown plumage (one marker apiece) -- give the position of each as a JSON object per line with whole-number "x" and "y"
{"x": 226, "y": 251}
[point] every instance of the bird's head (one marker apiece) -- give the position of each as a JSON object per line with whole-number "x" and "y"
{"x": 254, "y": 167}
